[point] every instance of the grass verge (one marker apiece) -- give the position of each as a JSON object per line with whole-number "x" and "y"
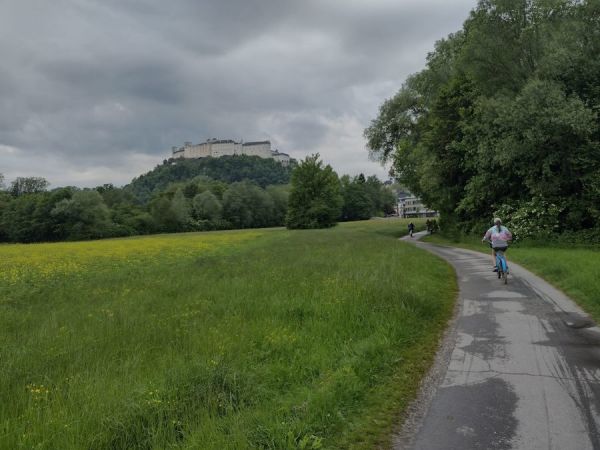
{"x": 573, "y": 270}
{"x": 268, "y": 339}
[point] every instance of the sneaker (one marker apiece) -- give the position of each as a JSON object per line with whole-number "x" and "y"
{"x": 495, "y": 269}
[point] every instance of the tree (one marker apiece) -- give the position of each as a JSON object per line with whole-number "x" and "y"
{"x": 315, "y": 198}
{"x": 180, "y": 208}
{"x": 206, "y": 206}
{"x": 83, "y": 216}
{"x": 246, "y": 205}
{"x": 505, "y": 111}
{"x": 358, "y": 205}
{"x": 280, "y": 196}
{"x": 28, "y": 185}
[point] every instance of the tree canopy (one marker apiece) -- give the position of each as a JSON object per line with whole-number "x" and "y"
{"x": 229, "y": 169}
{"x": 504, "y": 117}
{"x": 31, "y": 213}
{"x": 315, "y": 200}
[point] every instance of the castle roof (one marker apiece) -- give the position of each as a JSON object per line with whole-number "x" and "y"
{"x": 222, "y": 141}
{"x": 257, "y": 143}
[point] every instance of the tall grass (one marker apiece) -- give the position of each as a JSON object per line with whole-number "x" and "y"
{"x": 270, "y": 339}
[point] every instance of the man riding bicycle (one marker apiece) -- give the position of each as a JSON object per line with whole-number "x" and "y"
{"x": 498, "y": 236}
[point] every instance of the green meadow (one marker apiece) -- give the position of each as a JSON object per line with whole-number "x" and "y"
{"x": 267, "y": 339}
{"x": 572, "y": 269}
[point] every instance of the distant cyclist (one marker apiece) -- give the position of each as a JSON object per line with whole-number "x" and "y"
{"x": 498, "y": 236}
{"x": 411, "y": 229}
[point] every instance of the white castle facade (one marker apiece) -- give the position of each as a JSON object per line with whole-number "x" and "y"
{"x": 217, "y": 148}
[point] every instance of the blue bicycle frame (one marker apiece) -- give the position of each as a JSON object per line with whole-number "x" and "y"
{"x": 501, "y": 261}
{"x": 501, "y": 266}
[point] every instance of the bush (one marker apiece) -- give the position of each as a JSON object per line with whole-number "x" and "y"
{"x": 536, "y": 218}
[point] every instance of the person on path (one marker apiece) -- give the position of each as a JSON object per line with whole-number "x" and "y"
{"x": 411, "y": 229}
{"x": 498, "y": 236}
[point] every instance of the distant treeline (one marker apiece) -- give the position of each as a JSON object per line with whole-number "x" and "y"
{"x": 31, "y": 213}
{"x": 504, "y": 120}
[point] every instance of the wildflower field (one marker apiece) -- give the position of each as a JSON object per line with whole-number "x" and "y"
{"x": 269, "y": 339}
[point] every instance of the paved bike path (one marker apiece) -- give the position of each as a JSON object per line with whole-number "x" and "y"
{"x": 522, "y": 369}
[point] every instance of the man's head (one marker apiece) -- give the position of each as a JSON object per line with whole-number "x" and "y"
{"x": 497, "y": 221}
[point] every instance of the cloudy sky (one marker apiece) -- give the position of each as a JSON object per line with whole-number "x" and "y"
{"x": 97, "y": 91}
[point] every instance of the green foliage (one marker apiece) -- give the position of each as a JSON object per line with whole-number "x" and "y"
{"x": 357, "y": 204}
{"x": 226, "y": 340}
{"x": 229, "y": 169}
{"x": 365, "y": 198}
{"x": 195, "y": 204}
{"x": 83, "y": 216}
{"x": 505, "y": 113}
{"x": 246, "y": 205}
{"x": 536, "y": 218}
{"x": 28, "y": 185}
{"x": 207, "y": 206}
{"x": 315, "y": 200}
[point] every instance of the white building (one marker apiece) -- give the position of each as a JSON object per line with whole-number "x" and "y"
{"x": 411, "y": 206}
{"x": 227, "y": 147}
{"x": 283, "y": 158}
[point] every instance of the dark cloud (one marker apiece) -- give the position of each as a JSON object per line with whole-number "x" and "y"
{"x": 98, "y": 91}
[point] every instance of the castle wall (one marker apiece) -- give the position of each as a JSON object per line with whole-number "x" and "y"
{"x": 197, "y": 151}
{"x": 262, "y": 149}
{"x": 217, "y": 148}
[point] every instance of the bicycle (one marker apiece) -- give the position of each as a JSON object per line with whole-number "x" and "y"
{"x": 501, "y": 263}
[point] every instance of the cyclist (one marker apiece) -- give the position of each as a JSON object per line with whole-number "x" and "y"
{"x": 411, "y": 229}
{"x": 498, "y": 236}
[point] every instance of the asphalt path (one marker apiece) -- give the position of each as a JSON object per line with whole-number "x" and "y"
{"x": 519, "y": 368}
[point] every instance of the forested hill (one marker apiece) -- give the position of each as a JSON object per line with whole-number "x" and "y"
{"x": 228, "y": 169}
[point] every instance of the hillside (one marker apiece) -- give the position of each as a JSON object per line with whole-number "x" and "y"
{"x": 226, "y": 168}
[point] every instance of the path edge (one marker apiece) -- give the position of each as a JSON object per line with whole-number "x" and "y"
{"x": 413, "y": 417}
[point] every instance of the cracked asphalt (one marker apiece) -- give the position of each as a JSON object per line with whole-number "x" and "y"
{"x": 521, "y": 369}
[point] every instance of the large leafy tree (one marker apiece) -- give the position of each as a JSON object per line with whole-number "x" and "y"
{"x": 505, "y": 112}
{"x": 207, "y": 206}
{"x": 83, "y": 216}
{"x": 315, "y": 199}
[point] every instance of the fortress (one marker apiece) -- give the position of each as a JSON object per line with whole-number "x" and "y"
{"x": 217, "y": 148}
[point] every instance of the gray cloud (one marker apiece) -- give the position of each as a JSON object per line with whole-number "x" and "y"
{"x": 98, "y": 91}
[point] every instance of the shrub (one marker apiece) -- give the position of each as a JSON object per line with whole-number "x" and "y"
{"x": 536, "y": 218}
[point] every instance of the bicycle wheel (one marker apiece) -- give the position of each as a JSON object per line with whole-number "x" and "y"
{"x": 505, "y": 276}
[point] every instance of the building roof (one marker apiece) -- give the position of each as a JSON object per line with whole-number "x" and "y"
{"x": 257, "y": 143}
{"x": 222, "y": 141}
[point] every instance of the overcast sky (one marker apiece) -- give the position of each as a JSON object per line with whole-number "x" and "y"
{"x": 97, "y": 91}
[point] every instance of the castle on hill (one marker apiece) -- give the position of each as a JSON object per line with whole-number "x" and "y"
{"x": 217, "y": 148}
